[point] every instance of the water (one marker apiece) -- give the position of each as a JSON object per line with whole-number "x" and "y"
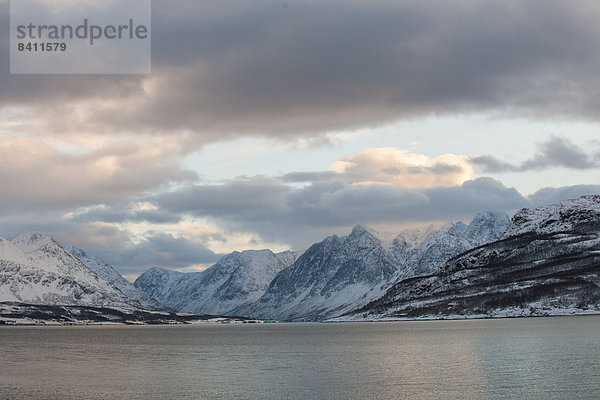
{"x": 542, "y": 358}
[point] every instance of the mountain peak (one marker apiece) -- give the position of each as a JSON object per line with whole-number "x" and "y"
{"x": 32, "y": 241}
{"x": 488, "y": 226}
{"x": 359, "y": 230}
{"x": 482, "y": 217}
{"x": 43, "y": 272}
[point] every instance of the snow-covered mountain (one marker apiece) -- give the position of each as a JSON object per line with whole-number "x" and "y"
{"x": 336, "y": 275}
{"x": 341, "y": 274}
{"x": 547, "y": 263}
{"x": 563, "y": 216}
{"x": 109, "y": 274}
{"x": 409, "y": 240}
{"x": 35, "y": 269}
{"x": 440, "y": 245}
{"x": 235, "y": 280}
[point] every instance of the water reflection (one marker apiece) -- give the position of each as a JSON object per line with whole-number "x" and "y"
{"x": 535, "y": 358}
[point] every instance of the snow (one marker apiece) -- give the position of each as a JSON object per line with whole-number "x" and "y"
{"x": 546, "y": 264}
{"x": 236, "y": 279}
{"x": 341, "y": 274}
{"x": 36, "y": 269}
{"x": 335, "y": 276}
{"x": 555, "y": 217}
{"x": 114, "y": 278}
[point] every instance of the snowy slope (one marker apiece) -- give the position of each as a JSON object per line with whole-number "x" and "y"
{"x": 547, "y": 263}
{"x": 35, "y": 269}
{"x": 235, "y": 280}
{"x": 113, "y": 277}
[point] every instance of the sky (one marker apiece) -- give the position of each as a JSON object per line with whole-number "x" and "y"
{"x": 273, "y": 124}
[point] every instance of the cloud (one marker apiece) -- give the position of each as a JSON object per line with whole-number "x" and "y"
{"x": 294, "y": 215}
{"x": 122, "y": 213}
{"x": 402, "y": 168}
{"x": 37, "y": 175}
{"x": 552, "y": 195}
{"x": 159, "y": 250}
{"x": 556, "y": 152}
{"x": 374, "y": 184}
{"x": 184, "y": 226}
{"x": 225, "y": 70}
{"x": 229, "y": 69}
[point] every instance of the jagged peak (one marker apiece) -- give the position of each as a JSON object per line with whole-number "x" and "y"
{"x": 360, "y": 231}
{"x": 490, "y": 216}
{"x": 361, "y": 237}
{"x": 33, "y": 241}
{"x": 457, "y": 229}
{"x": 413, "y": 237}
{"x": 75, "y": 251}
{"x": 246, "y": 255}
{"x": 158, "y": 270}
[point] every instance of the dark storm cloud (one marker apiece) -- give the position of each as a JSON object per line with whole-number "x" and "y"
{"x": 159, "y": 250}
{"x": 231, "y": 68}
{"x": 252, "y": 199}
{"x": 556, "y": 152}
{"x": 47, "y": 91}
{"x": 293, "y": 214}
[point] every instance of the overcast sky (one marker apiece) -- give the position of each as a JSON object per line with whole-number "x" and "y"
{"x": 274, "y": 124}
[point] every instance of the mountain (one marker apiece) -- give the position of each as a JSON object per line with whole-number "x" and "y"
{"x": 235, "y": 280}
{"x": 114, "y": 278}
{"x": 35, "y": 269}
{"x": 338, "y": 275}
{"x": 438, "y": 246}
{"x": 335, "y": 276}
{"x": 331, "y": 277}
{"x": 409, "y": 240}
{"x": 547, "y": 263}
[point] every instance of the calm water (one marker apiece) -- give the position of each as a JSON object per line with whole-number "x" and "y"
{"x": 545, "y": 358}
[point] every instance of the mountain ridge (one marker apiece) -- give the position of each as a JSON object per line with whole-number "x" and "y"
{"x": 547, "y": 263}
{"x": 236, "y": 279}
